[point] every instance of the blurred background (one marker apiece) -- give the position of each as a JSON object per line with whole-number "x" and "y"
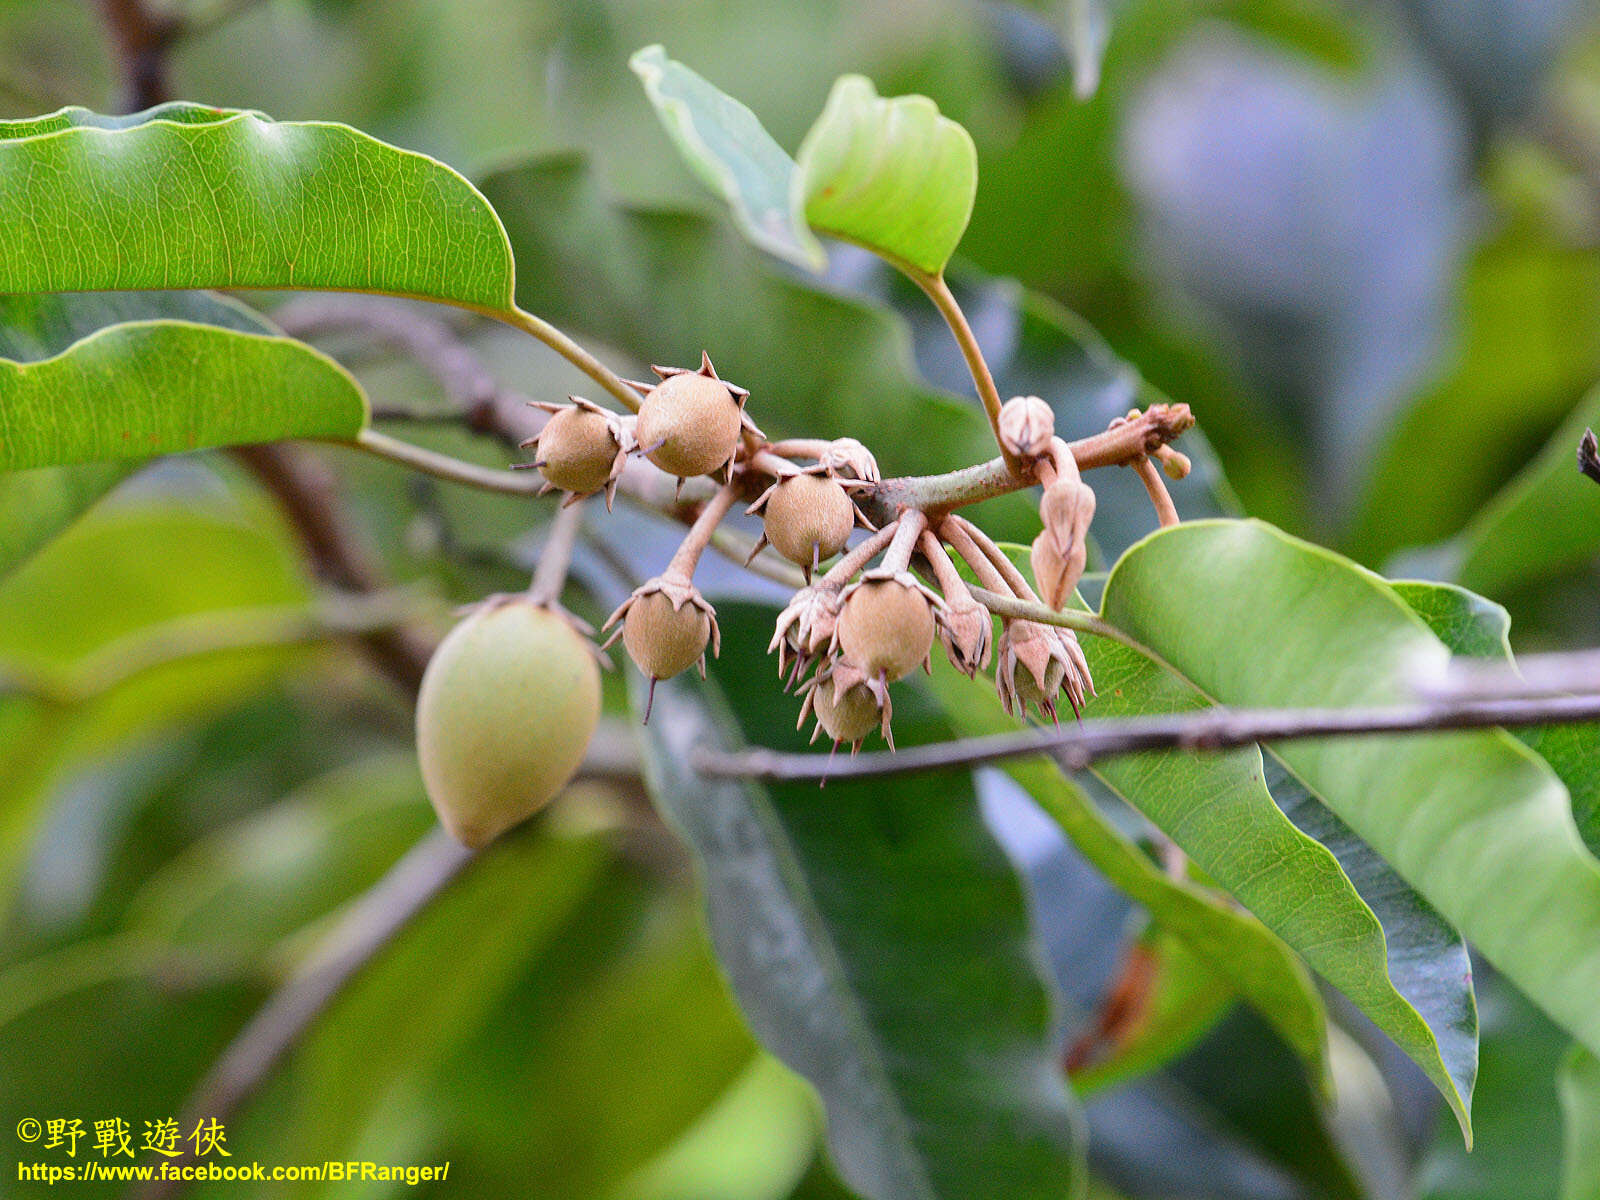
{"x": 1362, "y": 240}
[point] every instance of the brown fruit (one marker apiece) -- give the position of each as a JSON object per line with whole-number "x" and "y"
{"x": 808, "y": 518}
{"x": 689, "y": 424}
{"x": 507, "y": 707}
{"x": 663, "y": 640}
{"x": 578, "y": 450}
{"x": 886, "y": 627}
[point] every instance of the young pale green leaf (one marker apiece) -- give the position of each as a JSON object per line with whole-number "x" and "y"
{"x": 1475, "y": 821}
{"x": 191, "y": 197}
{"x": 1545, "y": 522}
{"x": 878, "y": 941}
{"x": 892, "y": 175}
{"x": 1479, "y": 628}
{"x": 1579, "y": 1088}
{"x": 1242, "y": 952}
{"x": 726, "y": 146}
{"x": 158, "y": 387}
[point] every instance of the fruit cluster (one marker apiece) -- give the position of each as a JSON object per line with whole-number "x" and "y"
{"x": 866, "y": 621}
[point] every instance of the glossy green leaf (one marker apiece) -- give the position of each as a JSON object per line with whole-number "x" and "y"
{"x": 1234, "y": 945}
{"x": 892, "y": 175}
{"x": 145, "y": 388}
{"x": 1412, "y": 981}
{"x": 1257, "y": 618}
{"x": 1579, "y": 1087}
{"x": 36, "y": 505}
{"x": 724, "y": 143}
{"x": 878, "y": 942}
{"x": 186, "y": 196}
{"x": 1479, "y": 628}
{"x": 1546, "y": 521}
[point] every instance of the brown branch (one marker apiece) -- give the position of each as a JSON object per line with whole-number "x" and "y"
{"x": 308, "y": 495}
{"x": 1076, "y": 747}
{"x": 141, "y": 39}
{"x": 371, "y": 923}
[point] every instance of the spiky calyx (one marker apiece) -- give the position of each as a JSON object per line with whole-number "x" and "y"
{"x": 1035, "y": 664}
{"x": 847, "y": 705}
{"x": 886, "y": 625}
{"x": 666, "y": 626}
{"x": 806, "y": 517}
{"x": 582, "y": 448}
{"x": 966, "y": 630}
{"x": 690, "y": 423}
{"x": 507, "y": 706}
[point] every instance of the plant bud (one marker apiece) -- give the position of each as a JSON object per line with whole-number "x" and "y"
{"x": 507, "y": 707}
{"x": 689, "y": 423}
{"x": 1061, "y": 550}
{"x": 666, "y": 625}
{"x": 805, "y": 627}
{"x": 581, "y": 448}
{"x": 885, "y": 628}
{"x": 967, "y": 631}
{"x": 807, "y": 518}
{"x": 1027, "y": 424}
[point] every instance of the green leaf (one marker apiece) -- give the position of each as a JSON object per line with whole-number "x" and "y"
{"x": 878, "y": 941}
{"x": 36, "y": 505}
{"x": 1234, "y": 945}
{"x": 157, "y": 387}
{"x": 724, "y": 143}
{"x": 1257, "y": 618}
{"x": 1413, "y": 981}
{"x": 1479, "y": 628}
{"x": 1579, "y": 1087}
{"x": 1546, "y": 521}
{"x": 192, "y": 197}
{"x": 889, "y": 174}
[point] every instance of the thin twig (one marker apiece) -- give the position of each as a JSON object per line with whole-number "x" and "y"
{"x": 197, "y": 635}
{"x": 1080, "y": 745}
{"x": 308, "y": 495}
{"x": 443, "y": 466}
{"x": 370, "y": 924}
{"x": 945, "y": 301}
{"x": 556, "y": 555}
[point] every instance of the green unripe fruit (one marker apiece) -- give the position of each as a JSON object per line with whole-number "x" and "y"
{"x": 886, "y": 628}
{"x": 507, "y": 707}
{"x": 808, "y": 518}
{"x": 663, "y": 640}
{"x": 850, "y": 718}
{"x": 689, "y": 424}
{"x": 578, "y": 450}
